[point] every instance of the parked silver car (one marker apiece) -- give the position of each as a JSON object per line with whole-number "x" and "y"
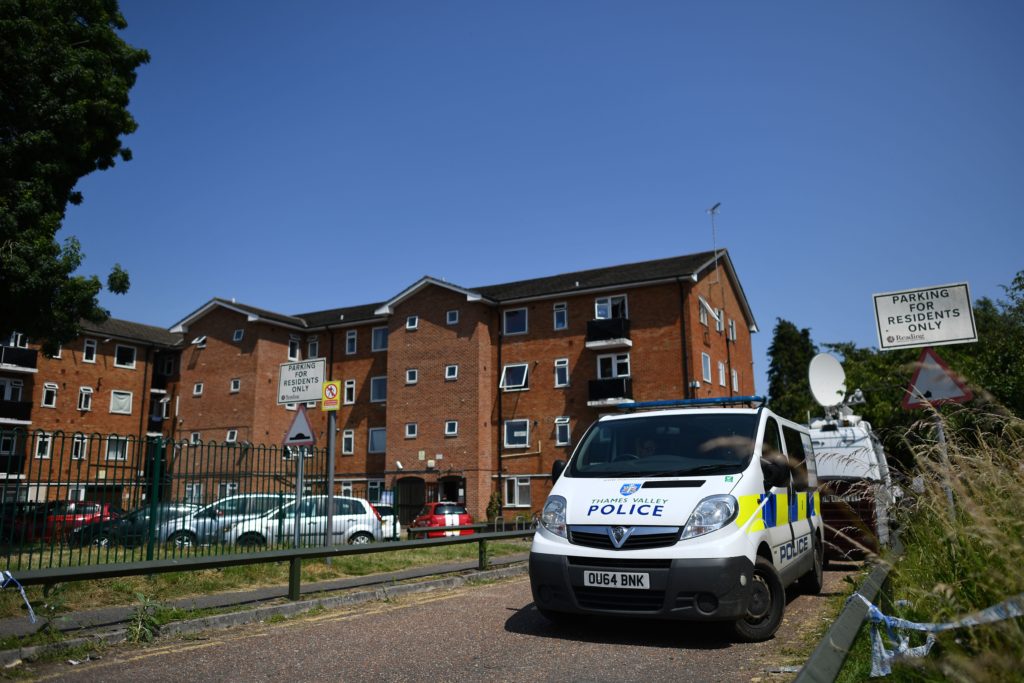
{"x": 355, "y": 521}
{"x": 206, "y": 525}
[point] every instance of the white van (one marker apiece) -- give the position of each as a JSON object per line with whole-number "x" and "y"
{"x": 701, "y": 512}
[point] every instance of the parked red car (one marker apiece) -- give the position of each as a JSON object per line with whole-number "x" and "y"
{"x": 443, "y": 513}
{"x": 60, "y": 517}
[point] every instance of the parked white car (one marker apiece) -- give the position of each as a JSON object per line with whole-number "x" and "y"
{"x": 389, "y": 520}
{"x": 355, "y": 521}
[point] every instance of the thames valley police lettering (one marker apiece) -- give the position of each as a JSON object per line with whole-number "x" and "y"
{"x": 790, "y": 550}
{"x": 645, "y": 507}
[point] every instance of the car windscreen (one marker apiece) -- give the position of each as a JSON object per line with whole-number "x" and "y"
{"x": 675, "y": 445}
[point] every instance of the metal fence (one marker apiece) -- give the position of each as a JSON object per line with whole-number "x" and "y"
{"x": 73, "y": 498}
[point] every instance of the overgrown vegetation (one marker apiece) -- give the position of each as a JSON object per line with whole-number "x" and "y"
{"x": 962, "y": 559}
{"x": 163, "y": 588}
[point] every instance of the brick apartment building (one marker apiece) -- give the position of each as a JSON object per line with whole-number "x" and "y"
{"x": 448, "y": 392}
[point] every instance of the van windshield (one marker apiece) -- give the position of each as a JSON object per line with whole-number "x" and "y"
{"x": 667, "y": 446}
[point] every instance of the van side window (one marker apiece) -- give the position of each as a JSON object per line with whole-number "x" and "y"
{"x": 797, "y": 457}
{"x": 771, "y": 445}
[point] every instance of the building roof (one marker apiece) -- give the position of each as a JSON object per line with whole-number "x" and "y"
{"x": 129, "y": 331}
{"x": 599, "y": 278}
{"x": 251, "y": 312}
{"x": 340, "y": 316}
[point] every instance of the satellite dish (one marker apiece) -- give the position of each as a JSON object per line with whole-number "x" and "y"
{"x": 828, "y": 381}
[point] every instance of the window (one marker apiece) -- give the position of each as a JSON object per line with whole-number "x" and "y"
{"x": 165, "y": 407}
{"x": 412, "y": 322}
{"x": 17, "y": 339}
{"x": 374, "y": 487}
{"x": 412, "y": 430}
{"x": 197, "y": 389}
{"x": 732, "y": 330}
{"x": 89, "y": 351}
{"x": 515, "y": 321}
{"x": 232, "y": 436}
{"x": 79, "y": 447}
{"x": 561, "y": 313}
{"x": 563, "y": 433}
{"x": 313, "y": 347}
{"x": 168, "y": 366}
{"x": 49, "y": 395}
{"x": 348, "y": 442}
{"x": 10, "y": 389}
{"x": 117, "y": 448}
{"x": 721, "y": 373}
{"x": 195, "y": 438}
{"x": 194, "y": 493}
{"x": 452, "y": 317}
{"x": 451, "y": 428}
{"x": 350, "y": 342}
{"x": 517, "y": 433}
{"x": 378, "y": 389}
{"x": 704, "y": 310}
{"x": 60, "y": 352}
{"x": 236, "y": 385}
{"x": 85, "y": 398}
{"x": 121, "y": 402}
{"x": 238, "y": 335}
{"x": 517, "y": 492}
{"x": 350, "y": 392}
{"x": 561, "y": 372}
{"x": 379, "y": 341}
{"x": 451, "y": 373}
{"x": 613, "y": 365}
{"x": 378, "y": 440}
{"x": 293, "y": 349}
{"x": 227, "y": 488}
{"x": 412, "y": 375}
{"x": 200, "y": 342}
{"x": 719, "y": 320}
{"x": 705, "y": 362}
{"x": 515, "y": 377}
{"x": 607, "y": 307}
{"x": 124, "y": 356}
{"x": 44, "y": 442}
{"x": 735, "y": 381}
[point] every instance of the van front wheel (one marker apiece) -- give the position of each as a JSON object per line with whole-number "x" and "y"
{"x": 767, "y": 602}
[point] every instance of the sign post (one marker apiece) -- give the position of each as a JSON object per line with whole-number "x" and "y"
{"x": 299, "y": 436}
{"x": 330, "y": 402}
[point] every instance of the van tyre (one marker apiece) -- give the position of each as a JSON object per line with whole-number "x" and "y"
{"x": 767, "y": 602}
{"x": 812, "y": 582}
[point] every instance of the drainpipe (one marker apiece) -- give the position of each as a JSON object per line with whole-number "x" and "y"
{"x": 501, "y": 425}
{"x": 683, "y": 296}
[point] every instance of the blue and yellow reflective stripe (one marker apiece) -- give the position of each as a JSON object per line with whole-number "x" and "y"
{"x": 777, "y": 509}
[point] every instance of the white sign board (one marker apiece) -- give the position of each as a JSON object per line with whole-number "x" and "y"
{"x": 931, "y": 316}
{"x": 302, "y": 381}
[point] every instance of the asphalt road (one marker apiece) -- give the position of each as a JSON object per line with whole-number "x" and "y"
{"x": 481, "y": 633}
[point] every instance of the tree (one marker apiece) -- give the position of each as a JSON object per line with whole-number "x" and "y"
{"x": 790, "y": 352}
{"x": 65, "y": 77}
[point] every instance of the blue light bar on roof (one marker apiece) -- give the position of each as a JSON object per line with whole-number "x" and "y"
{"x": 694, "y": 402}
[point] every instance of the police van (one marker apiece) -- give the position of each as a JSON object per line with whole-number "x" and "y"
{"x": 689, "y": 510}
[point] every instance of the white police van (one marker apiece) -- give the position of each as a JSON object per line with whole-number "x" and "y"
{"x": 689, "y": 510}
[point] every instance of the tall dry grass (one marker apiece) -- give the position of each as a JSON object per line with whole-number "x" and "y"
{"x": 966, "y": 557}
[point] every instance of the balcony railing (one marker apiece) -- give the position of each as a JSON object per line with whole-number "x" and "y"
{"x": 18, "y": 357}
{"x": 16, "y": 410}
{"x": 609, "y": 333}
{"x": 618, "y": 389}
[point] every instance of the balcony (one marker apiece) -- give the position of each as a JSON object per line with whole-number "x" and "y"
{"x": 608, "y": 333}
{"x": 17, "y": 359}
{"x": 610, "y": 392}
{"x": 16, "y": 412}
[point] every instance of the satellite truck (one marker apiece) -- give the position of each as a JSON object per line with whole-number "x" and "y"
{"x": 855, "y": 484}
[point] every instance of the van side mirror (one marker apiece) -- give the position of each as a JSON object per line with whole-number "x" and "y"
{"x": 775, "y": 470}
{"x": 557, "y": 467}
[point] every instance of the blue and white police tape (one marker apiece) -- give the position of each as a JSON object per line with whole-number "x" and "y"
{"x": 882, "y": 658}
{"x": 9, "y": 579}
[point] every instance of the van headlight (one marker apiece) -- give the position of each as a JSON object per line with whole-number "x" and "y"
{"x": 711, "y": 514}
{"x": 553, "y": 516}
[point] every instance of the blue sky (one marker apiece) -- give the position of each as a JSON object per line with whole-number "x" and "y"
{"x": 305, "y": 156}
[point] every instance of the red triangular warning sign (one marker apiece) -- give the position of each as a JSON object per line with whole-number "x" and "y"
{"x": 934, "y": 383}
{"x": 300, "y": 433}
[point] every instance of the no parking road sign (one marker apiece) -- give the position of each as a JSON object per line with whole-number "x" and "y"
{"x": 331, "y": 396}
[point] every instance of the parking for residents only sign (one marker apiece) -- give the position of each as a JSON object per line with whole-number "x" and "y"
{"x": 302, "y": 381}
{"x": 931, "y": 316}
